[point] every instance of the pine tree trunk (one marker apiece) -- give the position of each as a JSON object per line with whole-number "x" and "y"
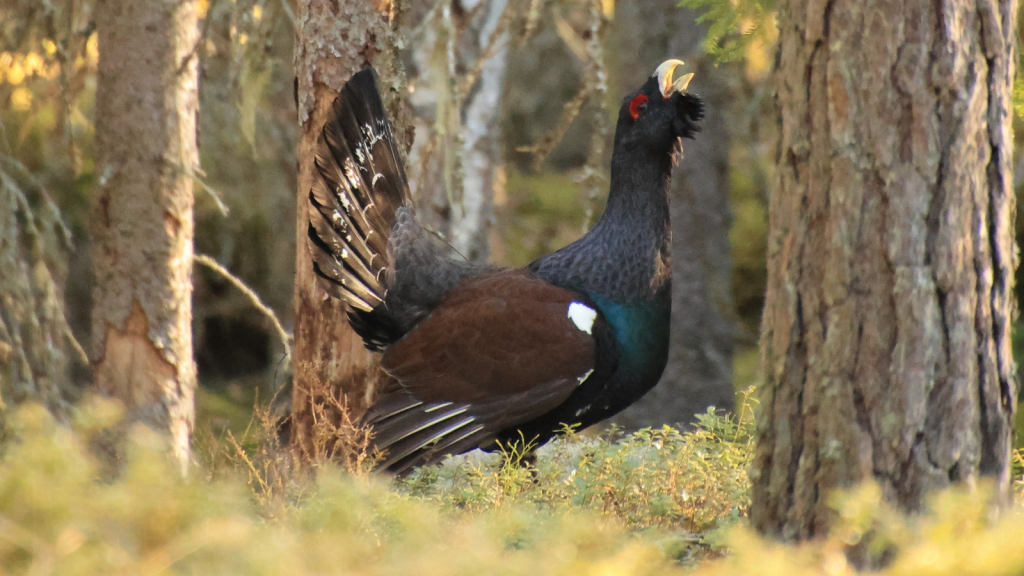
{"x": 146, "y": 104}
{"x": 699, "y": 370}
{"x": 334, "y": 375}
{"x": 886, "y": 332}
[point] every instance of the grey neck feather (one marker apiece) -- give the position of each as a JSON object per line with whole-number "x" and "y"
{"x": 627, "y": 255}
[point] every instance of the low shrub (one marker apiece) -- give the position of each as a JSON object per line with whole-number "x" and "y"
{"x": 693, "y": 481}
{"x": 658, "y": 502}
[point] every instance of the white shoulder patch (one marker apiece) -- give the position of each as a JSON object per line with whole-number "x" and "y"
{"x": 582, "y": 316}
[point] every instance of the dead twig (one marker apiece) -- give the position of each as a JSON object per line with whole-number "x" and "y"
{"x": 253, "y": 297}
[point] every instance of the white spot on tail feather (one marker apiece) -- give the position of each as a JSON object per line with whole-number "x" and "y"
{"x": 370, "y": 136}
{"x": 351, "y": 172}
{"x": 582, "y": 316}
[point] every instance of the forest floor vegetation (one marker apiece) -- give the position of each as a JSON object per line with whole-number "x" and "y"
{"x": 653, "y": 502}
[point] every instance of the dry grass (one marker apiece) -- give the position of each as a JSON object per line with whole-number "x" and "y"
{"x": 280, "y": 474}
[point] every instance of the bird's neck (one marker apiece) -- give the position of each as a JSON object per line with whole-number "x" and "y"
{"x": 638, "y": 196}
{"x": 627, "y": 255}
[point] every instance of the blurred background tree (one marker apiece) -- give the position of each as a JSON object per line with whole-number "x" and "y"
{"x": 142, "y": 216}
{"x": 561, "y": 67}
{"x": 42, "y": 156}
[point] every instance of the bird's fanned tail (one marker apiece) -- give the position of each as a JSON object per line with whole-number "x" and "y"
{"x": 358, "y": 186}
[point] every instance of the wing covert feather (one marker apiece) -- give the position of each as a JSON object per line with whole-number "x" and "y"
{"x": 497, "y": 334}
{"x": 499, "y": 351}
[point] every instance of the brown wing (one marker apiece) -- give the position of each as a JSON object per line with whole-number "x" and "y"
{"x": 500, "y": 350}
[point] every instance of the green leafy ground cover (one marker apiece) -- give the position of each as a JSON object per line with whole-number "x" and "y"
{"x": 655, "y": 502}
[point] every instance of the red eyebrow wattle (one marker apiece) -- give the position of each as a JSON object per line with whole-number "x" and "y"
{"x": 634, "y": 105}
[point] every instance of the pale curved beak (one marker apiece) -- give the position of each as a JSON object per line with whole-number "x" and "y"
{"x": 665, "y": 82}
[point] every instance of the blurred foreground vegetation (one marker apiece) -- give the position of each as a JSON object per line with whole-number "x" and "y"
{"x": 655, "y": 502}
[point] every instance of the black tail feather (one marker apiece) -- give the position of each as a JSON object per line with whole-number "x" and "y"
{"x": 412, "y": 433}
{"x": 463, "y": 438}
{"x": 363, "y": 120}
{"x": 358, "y": 186}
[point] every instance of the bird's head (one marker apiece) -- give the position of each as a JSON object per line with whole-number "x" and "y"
{"x": 660, "y": 112}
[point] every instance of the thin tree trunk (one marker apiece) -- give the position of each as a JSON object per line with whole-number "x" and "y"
{"x": 481, "y": 149}
{"x": 886, "y": 332}
{"x": 334, "y": 375}
{"x": 457, "y": 154}
{"x": 699, "y": 370}
{"x": 146, "y": 104}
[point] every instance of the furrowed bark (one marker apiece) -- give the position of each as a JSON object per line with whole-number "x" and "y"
{"x": 146, "y": 104}
{"x": 332, "y": 369}
{"x": 886, "y": 332}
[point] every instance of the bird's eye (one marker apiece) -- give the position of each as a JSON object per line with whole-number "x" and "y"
{"x": 637, "y": 105}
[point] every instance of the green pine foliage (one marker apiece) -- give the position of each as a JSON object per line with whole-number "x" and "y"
{"x": 733, "y": 26}
{"x": 658, "y": 502}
